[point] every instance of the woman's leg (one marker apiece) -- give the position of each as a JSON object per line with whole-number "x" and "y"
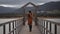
{"x": 30, "y": 28}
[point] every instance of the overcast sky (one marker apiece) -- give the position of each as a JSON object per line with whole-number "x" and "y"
{"x": 17, "y": 3}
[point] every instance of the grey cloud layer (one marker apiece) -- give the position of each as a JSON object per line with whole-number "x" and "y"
{"x": 23, "y": 1}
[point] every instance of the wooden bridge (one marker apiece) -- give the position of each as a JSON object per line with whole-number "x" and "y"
{"x": 40, "y": 26}
{"x": 43, "y": 26}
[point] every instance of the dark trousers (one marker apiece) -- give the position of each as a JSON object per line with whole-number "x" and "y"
{"x": 30, "y": 28}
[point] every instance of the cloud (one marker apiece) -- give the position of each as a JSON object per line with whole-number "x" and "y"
{"x": 40, "y": 3}
{"x": 12, "y": 6}
{"x": 20, "y": 3}
{"x": 9, "y": 5}
{"x": 16, "y": 2}
{"x": 18, "y": 6}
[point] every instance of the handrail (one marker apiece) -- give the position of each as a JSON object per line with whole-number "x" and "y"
{"x": 57, "y": 23}
{"x": 43, "y": 26}
{"x": 8, "y": 22}
{"x": 15, "y": 23}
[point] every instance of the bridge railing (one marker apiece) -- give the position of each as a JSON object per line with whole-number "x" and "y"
{"x": 45, "y": 26}
{"x": 15, "y": 26}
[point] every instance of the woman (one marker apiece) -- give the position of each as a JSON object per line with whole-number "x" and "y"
{"x": 30, "y": 21}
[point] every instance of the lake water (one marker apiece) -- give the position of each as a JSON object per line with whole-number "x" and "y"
{"x": 3, "y": 20}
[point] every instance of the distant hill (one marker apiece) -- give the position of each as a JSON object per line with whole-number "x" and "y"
{"x": 50, "y": 9}
{"x": 6, "y": 10}
{"x": 50, "y": 6}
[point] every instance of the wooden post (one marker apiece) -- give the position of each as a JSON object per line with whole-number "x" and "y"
{"x": 9, "y": 27}
{"x": 55, "y": 29}
{"x": 13, "y": 26}
{"x": 46, "y": 27}
{"x": 4, "y": 29}
{"x": 24, "y": 17}
{"x": 50, "y": 26}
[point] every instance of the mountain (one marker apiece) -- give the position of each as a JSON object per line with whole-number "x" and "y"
{"x": 6, "y": 10}
{"x": 50, "y": 6}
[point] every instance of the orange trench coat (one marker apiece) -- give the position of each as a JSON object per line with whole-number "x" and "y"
{"x": 30, "y": 20}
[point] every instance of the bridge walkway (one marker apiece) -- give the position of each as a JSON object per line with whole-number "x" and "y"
{"x": 25, "y": 29}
